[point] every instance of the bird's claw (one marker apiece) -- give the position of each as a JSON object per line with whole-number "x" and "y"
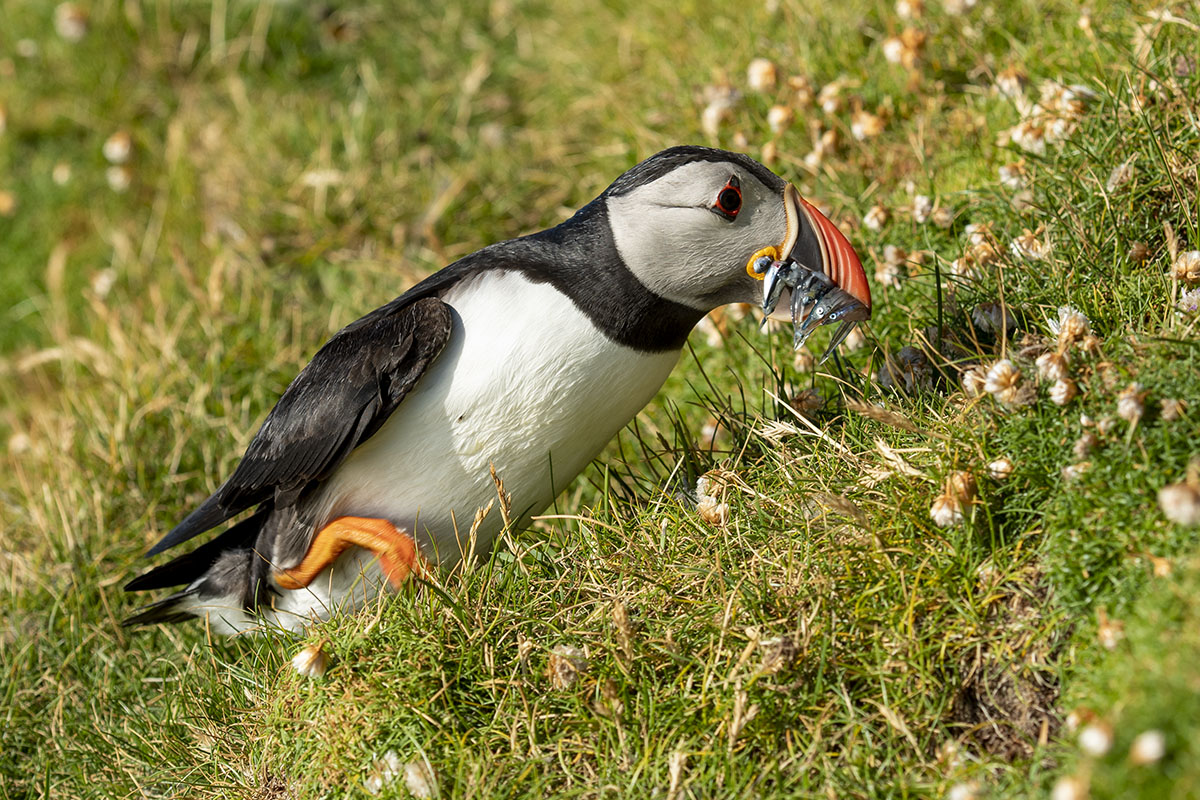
{"x": 813, "y": 291}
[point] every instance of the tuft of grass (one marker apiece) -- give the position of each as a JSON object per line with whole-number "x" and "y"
{"x": 294, "y": 167}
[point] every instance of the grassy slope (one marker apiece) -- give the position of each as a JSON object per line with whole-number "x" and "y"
{"x": 438, "y": 132}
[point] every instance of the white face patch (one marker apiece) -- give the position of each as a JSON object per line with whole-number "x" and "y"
{"x": 671, "y": 239}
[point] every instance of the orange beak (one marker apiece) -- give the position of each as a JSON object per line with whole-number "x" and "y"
{"x": 822, "y": 238}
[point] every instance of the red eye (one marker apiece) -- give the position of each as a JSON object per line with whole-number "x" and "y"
{"x": 729, "y": 199}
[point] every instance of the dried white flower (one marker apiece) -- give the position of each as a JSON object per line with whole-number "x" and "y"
{"x": 966, "y": 268}
{"x": 945, "y": 512}
{"x": 312, "y": 661}
{"x": 865, "y": 125}
{"x": 1121, "y": 175}
{"x": 888, "y": 274}
{"x": 1000, "y": 469}
{"x": 1148, "y": 747}
{"x": 102, "y": 282}
{"x": 61, "y": 175}
{"x": 1063, "y": 391}
{"x": 70, "y": 22}
{"x": 420, "y": 781}
{"x": 1070, "y": 327}
{"x": 803, "y": 360}
{"x": 1029, "y": 135}
{"x": 875, "y": 218}
{"x": 1028, "y": 246}
{"x": 565, "y": 665}
{"x": 910, "y": 9}
{"x": 1072, "y": 472}
{"x": 854, "y": 341}
{"x": 1084, "y": 445}
{"x": 922, "y": 208}
{"x": 1109, "y": 632}
{"x": 779, "y": 118}
{"x": 8, "y": 203}
{"x": 1014, "y": 176}
{"x": 761, "y": 75}
{"x": 830, "y": 98}
{"x": 956, "y": 7}
{"x": 1186, "y": 267}
{"x": 1002, "y": 379}
{"x": 893, "y": 50}
{"x": 721, "y": 101}
{"x": 974, "y": 381}
{"x": 118, "y": 178}
{"x": 963, "y": 791}
{"x": 118, "y": 147}
{"x": 942, "y": 217}
{"x": 1180, "y": 503}
{"x": 1172, "y": 409}
{"x": 1053, "y": 365}
{"x": 383, "y": 772}
{"x": 1106, "y": 425}
{"x": 1011, "y": 83}
{"x": 1095, "y": 739}
{"x": 1070, "y": 787}
{"x": 1131, "y": 403}
{"x": 1189, "y": 301}
{"x": 712, "y": 511}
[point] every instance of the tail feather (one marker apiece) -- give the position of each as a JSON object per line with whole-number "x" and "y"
{"x": 191, "y": 566}
{"x": 166, "y": 610}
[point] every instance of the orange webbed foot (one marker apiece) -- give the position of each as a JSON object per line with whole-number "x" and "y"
{"x": 396, "y": 550}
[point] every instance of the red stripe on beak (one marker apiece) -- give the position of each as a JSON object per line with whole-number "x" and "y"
{"x": 841, "y": 263}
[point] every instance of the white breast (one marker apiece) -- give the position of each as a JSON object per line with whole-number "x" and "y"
{"x": 527, "y": 384}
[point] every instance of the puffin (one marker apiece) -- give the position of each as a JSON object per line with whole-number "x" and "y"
{"x": 514, "y": 364}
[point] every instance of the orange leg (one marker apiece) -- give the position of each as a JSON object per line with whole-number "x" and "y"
{"x": 396, "y": 550}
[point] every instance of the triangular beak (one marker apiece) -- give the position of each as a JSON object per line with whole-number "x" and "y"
{"x": 810, "y": 234}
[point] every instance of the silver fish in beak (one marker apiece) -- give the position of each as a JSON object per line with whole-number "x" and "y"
{"x": 818, "y": 269}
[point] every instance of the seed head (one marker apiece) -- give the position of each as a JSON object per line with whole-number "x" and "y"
{"x": 1120, "y": 176}
{"x": 910, "y": 9}
{"x": 1109, "y": 632}
{"x": 830, "y": 98}
{"x": 1014, "y": 176}
{"x": 761, "y": 75}
{"x": 1029, "y": 246}
{"x": 1096, "y": 738}
{"x": 779, "y": 118}
{"x": 1011, "y": 83}
{"x": 1131, "y": 403}
{"x": 974, "y": 381}
{"x": 1084, "y": 445}
{"x": 118, "y": 147}
{"x": 565, "y": 665}
{"x": 118, "y": 177}
{"x": 420, "y": 781}
{"x": 922, "y": 208}
{"x": 865, "y": 125}
{"x": 1053, "y": 365}
{"x": 942, "y": 217}
{"x": 1003, "y": 381}
{"x": 1070, "y": 787}
{"x": 1180, "y": 503}
{"x": 1148, "y": 747}
{"x": 1063, "y": 391}
{"x": 964, "y": 791}
{"x": 1186, "y": 268}
{"x": 1172, "y": 409}
{"x": 713, "y": 511}
{"x": 1139, "y": 252}
{"x": 312, "y": 661}
{"x": 945, "y": 512}
{"x": 1000, "y": 469}
{"x": 61, "y": 175}
{"x": 70, "y": 22}
{"x": 876, "y": 218}
{"x": 802, "y": 91}
{"x": 1072, "y": 472}
{"x": 1070, "y": 327}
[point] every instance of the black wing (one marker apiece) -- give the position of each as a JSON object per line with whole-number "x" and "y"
{"x": 342, "y": 397}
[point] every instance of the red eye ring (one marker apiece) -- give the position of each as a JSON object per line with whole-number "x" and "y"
{"x": 729, "y": 199}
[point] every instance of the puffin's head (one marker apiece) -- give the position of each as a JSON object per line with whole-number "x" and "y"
{"x": 690, "y": 222}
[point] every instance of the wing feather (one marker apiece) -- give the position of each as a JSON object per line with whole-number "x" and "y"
{"x": 339, "y": 400}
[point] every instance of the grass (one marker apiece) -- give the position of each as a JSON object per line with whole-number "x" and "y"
{"x": 293, "y": 168}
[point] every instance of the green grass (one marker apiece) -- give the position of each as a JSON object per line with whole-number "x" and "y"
{"x": 293, "y": 169}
